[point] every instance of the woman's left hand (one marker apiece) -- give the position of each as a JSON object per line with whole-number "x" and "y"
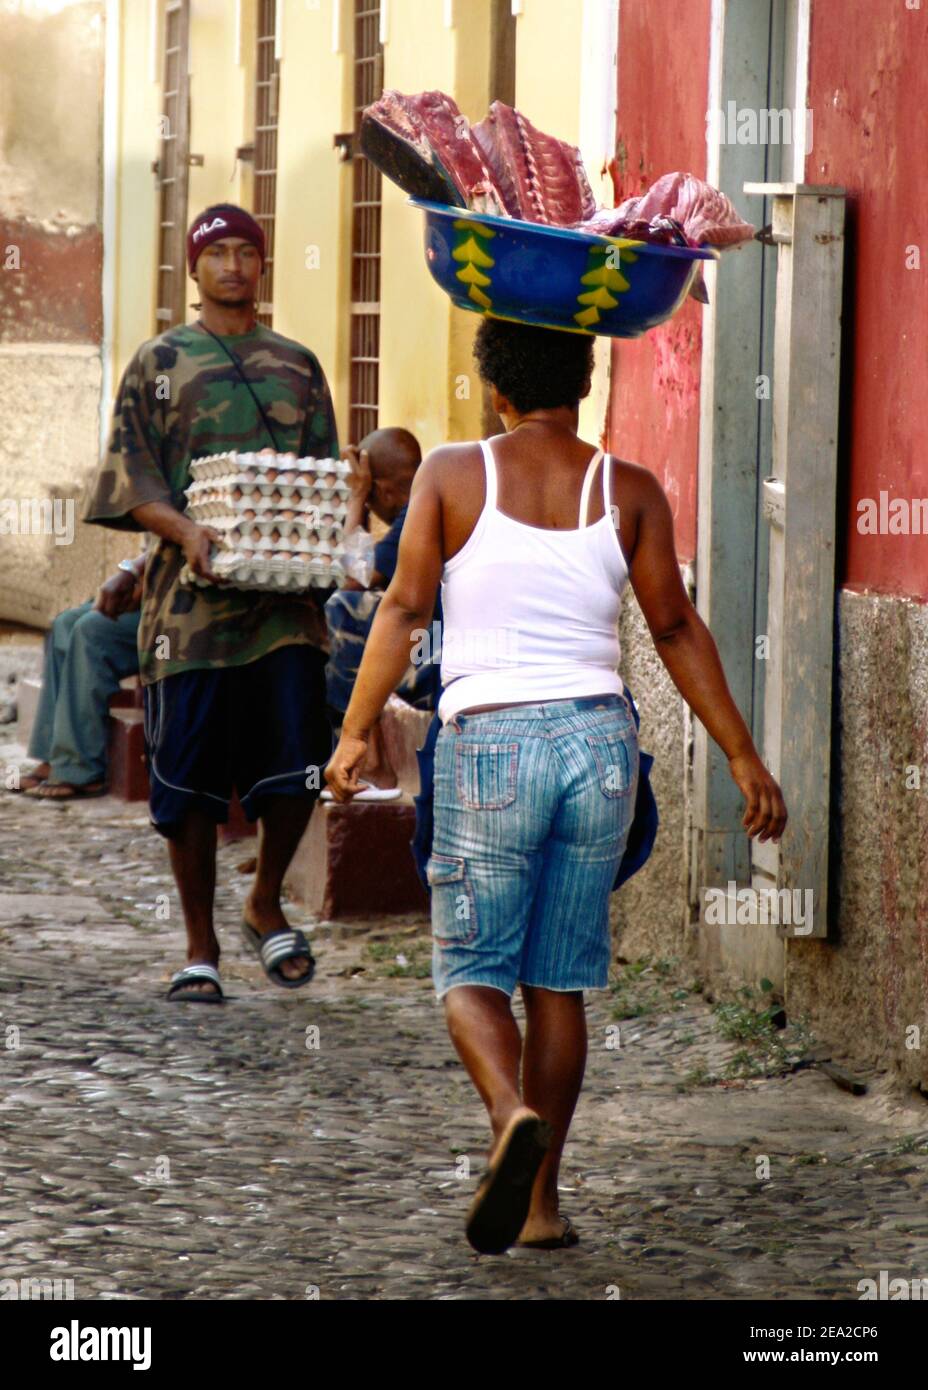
{"x": 343, "y": 767}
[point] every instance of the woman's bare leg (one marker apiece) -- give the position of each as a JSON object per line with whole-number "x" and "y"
{"x": 554, "y": 1059}
{"x": 487, "y": 1040}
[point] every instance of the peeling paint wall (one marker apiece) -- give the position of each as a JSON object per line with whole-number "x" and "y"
{"x": 663, "y": 83}
{"x": 51, "y": 89}
{"x": 51, "y": 86}
{"x": 865, "y": 988}
{"x": 868, "y": 88}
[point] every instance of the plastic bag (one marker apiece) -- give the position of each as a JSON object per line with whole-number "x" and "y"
{"x": 358, "y": 556}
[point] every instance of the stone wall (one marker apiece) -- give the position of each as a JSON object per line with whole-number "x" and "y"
{"x": 865, "y": 988}
{"x": 650, "y": 911}
{"x": 868, "y": 984}
{"x": 51, "y": 253}
{"x": 48, "y": 450}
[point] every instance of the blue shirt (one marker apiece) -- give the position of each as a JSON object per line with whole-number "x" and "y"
{"x": 386, "y": 552}
{"x": 387, "y": 549}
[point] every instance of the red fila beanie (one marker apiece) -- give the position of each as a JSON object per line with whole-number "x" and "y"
{"x": 222, "y": 220}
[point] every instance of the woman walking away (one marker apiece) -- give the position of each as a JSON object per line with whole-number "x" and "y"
{"x": 533, "y": 535}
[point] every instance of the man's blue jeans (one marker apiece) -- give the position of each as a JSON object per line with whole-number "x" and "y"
{"x": 86, "y": 656}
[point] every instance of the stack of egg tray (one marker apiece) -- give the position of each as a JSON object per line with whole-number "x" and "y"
{"x": 281, "y": 519}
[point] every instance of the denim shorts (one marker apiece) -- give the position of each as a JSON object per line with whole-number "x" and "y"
{"x": 533, "y": 805}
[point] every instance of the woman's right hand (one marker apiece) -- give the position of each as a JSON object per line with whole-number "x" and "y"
{"x": 765, "y": 815}
{"x": 343, "y": 767}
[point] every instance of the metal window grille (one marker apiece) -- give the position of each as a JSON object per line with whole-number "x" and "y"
{"x": 171, "y": 167}
{"x": 365, "y": 232}
{"x": 267, "y": 87}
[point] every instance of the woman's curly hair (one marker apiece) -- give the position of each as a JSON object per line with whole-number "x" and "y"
{"x": 534, "y": 368}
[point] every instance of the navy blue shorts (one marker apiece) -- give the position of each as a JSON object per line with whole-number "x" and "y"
{"x": 261, "y": 729}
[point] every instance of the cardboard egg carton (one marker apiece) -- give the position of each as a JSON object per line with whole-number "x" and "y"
{"x": 281, "y": 518}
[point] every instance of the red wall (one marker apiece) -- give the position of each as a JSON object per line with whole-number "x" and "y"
{"x": 868, "y": 92}
{"x": 55, "y": 294}
{"x": 661, "y": 126}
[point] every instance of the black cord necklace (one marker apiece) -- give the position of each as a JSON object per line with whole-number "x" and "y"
{"x": 251, "y": 390}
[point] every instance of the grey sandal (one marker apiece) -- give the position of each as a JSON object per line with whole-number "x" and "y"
{"x": 286, "y": 943}
{"x": 192, "y": 974}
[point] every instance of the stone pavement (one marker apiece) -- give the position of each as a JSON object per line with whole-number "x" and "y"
{"x": 150, "y": 1150}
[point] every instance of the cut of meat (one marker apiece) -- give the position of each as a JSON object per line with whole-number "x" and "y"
{"x": 507, "y": 167}
{"x": 660, "y": 231}
{"x": 541, "y": 179}
{"x": 425, "y": 145}
{"x": 706, "y": 215}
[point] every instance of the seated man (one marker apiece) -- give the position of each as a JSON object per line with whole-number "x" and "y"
{"x": 382, "y": 469}
{"x": 89, "y": 650}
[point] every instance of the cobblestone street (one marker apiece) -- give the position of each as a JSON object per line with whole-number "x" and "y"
{"x": 151, "y": 1150}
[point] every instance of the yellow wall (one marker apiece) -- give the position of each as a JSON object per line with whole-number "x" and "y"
{"x": 549, "y": 75}
{"x": 415, "y": 329}
{"x": 313, "y": 245}
{"x": 427, "y": 379}
{"x": 548, "y": 36}
{"x": 136, "y": 249}
{"x": 217, "y": 108}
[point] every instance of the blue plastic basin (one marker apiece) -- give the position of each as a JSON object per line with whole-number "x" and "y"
{"x": 555, "y": 277}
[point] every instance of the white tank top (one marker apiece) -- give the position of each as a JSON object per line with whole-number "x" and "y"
{"x": 531, "y": 613}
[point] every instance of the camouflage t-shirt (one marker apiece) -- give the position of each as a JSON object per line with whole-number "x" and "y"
{"x": 181, "y": 397}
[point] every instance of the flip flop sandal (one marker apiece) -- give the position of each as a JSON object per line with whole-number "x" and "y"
{"x": 191, "y": 974}
{"x": 286, "y": 943}
{"x": 76, "y": 793}
{"x": 498, "y": 1211}
{"x": 567, "y": 1238}
{"x": 28, "y": 783}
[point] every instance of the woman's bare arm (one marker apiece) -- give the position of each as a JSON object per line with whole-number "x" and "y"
{"x": 687, "y": 649}
{"x": 407, "y": 605}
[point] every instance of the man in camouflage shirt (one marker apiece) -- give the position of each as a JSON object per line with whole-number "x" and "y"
{"x": 234, "y": 681}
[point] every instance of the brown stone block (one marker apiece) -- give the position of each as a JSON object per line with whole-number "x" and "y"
{"x": 127, "y": 774}
{"x": 355, "y": 860}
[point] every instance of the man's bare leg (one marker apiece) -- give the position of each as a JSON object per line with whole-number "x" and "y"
{"x": 193, "y": 861}
{"x": 553, "y": 1064}
{"x": 280, "y": 831}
